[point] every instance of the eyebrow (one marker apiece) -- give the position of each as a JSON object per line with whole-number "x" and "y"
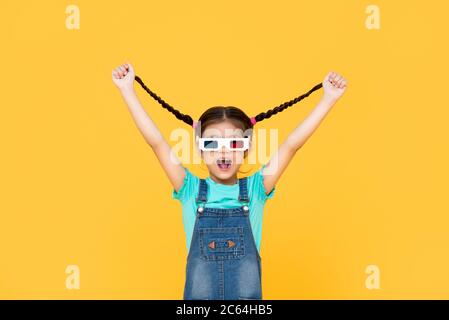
{"x": 215, "y": 136}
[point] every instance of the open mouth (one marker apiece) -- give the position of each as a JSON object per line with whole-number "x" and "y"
{"x": 224, "y": 163}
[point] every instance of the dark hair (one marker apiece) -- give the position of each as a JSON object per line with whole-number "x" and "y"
{"x": 220, "y": 113}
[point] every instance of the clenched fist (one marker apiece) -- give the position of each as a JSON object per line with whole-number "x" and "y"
{"x": 334, "y": 85}
{"x": 123, "y": 76}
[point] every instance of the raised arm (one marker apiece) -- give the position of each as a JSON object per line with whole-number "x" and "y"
{"x": 123, "y": 78}
{"x": 334, "y": 86}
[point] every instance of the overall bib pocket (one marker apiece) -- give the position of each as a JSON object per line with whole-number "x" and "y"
{"x": 221, "y": 243}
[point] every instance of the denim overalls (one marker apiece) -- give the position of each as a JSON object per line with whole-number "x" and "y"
{"x": 223, "y": 261}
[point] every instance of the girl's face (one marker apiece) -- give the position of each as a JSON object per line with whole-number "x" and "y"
{"x": 223, "y": 164}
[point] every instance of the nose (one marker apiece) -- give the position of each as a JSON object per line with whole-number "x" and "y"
{"x": 224, "y": 150}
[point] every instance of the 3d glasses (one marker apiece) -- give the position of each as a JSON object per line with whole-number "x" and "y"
{"x": 215, "y": 144}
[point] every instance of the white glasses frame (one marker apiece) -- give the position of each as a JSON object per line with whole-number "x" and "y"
{"x": 223, "y": 142}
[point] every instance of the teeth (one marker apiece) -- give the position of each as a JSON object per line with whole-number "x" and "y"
{"x": 224, "y": 161}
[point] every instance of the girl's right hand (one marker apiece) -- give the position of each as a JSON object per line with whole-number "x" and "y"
{"x": 334, "y": 85}
{"x": 123, "y": 76}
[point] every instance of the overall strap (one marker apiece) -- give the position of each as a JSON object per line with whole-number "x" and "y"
{"x": 202, "y": 191}
{"x": 243, "y": 190}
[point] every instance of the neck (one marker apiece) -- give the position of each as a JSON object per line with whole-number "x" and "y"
{"x": 231, "y": 181}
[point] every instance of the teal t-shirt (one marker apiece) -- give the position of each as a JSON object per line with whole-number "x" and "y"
{"x": 222, "y": 196}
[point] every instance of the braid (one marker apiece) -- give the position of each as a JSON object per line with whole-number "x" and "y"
{"x": 261, "y": 116}
{"x": 184, "y": 117}
{"x": 265, "y": 115}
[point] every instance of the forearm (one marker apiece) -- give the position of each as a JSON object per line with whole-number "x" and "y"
{"x": 143, "y": 121}
{"x": 299, "y": 136}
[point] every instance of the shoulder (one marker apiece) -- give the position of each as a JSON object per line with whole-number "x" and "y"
{"x": 256, "y": 186}
{"x": 188, "y": 188}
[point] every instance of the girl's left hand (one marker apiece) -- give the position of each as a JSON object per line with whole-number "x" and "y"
{"x": 334, "y": 85}
{"x": 123, "y": 76}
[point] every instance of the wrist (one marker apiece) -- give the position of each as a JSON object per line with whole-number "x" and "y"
{"x": 329, "y": 99}
{"x": 127, "y": 90}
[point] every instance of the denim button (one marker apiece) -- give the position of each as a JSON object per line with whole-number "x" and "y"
{"x": 245, "y": 208}
{"x": 200, "y": 209}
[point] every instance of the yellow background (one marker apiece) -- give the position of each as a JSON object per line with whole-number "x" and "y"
{"x": 81, "y": 187}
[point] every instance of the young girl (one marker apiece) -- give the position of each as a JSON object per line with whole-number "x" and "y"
{"x": 222, "y": 214}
